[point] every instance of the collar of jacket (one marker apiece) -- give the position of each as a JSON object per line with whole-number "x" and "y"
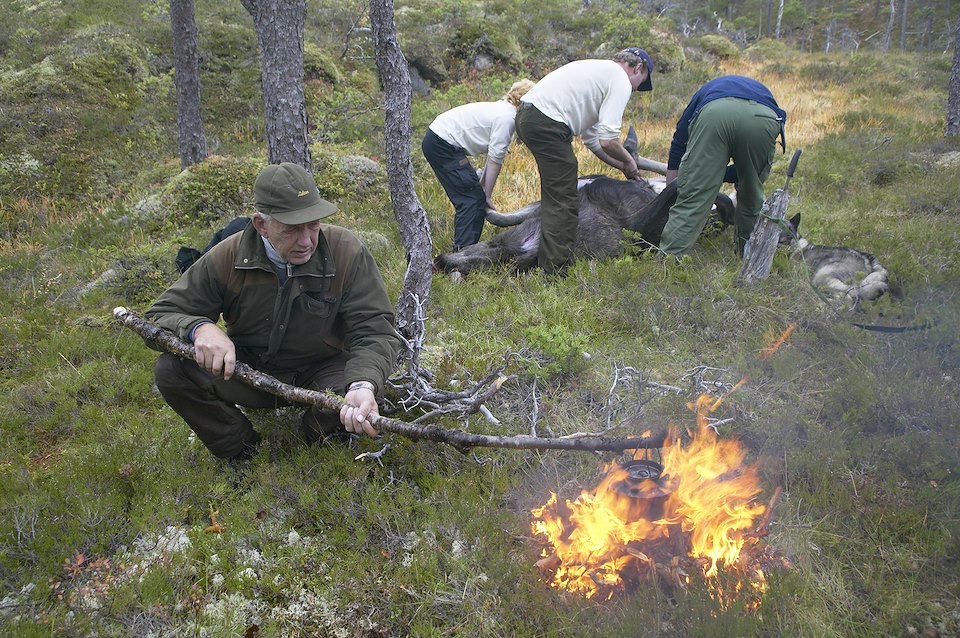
{"x": 252, "y": 254}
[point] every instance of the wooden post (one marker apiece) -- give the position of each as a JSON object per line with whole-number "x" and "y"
{"x": 759, "y": 251}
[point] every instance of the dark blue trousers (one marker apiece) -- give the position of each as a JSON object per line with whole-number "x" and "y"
{"x": 461, "y": 184}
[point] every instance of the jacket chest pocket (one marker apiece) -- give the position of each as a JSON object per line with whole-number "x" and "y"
{"x": 316, "y": 304}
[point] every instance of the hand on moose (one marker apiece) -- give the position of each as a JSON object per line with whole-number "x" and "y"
{"x": 630, "y": 171}
{"x": 214, "y": 351}
{"x": 361, "y": 404}
{"x": 490, "y": 204}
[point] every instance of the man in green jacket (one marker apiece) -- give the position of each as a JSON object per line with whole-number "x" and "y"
{"x": 300, "y": 300}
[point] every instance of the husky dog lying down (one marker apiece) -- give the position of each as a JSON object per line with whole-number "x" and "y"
{"x": 845, "y": 272}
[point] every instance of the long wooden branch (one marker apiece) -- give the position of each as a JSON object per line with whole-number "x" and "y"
{"x": 461, "y": 440}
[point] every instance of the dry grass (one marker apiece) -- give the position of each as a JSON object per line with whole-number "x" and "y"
{"x": 813, "y": 112}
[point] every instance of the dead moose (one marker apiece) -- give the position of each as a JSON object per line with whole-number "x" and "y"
{"x": 607, "y": 207}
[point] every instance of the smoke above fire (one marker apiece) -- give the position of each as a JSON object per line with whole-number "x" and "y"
{"x": 694, "y": 511}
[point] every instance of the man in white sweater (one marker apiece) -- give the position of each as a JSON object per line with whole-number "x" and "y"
{"x": 585, "y": 98}
{"x": 471, "y": 130}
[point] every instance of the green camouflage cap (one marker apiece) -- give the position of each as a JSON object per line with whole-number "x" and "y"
{"x": 288, "y": 193}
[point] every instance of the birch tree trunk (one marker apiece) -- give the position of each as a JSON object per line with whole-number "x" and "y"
{"x": 186, "y": 79}
{"x": 776, "y": 33}
{"x": 279, "y": 25}
{"x": 412, "y": 219}
{"x": 953, "y": 97}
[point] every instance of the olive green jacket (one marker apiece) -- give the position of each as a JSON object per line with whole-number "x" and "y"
{"x": 335, "y": 302}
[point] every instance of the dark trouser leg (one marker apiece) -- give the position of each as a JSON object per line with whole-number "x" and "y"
{"x": 208, "y": 405}
{"x": 551, "y": 144}
{"x": 322, "y": 422}
{"x": 462, "y": 186}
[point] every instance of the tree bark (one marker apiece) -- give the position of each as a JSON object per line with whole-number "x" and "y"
{"x": 759, "y": 251}
{"x": 953, "y": 97}
{"x": 186, "y": 78}
{"x": 279, "y": 26}
{"x": 776, "y": 35}
{"x": 412, "y": 219}
{"x": 903, "y": 26}
{"x": 888, "y": 31}
{"x": 166, "y": 340}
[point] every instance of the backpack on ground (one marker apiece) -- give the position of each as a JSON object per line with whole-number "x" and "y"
{"x": 186, "y": 256}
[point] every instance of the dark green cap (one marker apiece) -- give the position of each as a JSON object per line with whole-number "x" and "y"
{"x": 288, "y": 193}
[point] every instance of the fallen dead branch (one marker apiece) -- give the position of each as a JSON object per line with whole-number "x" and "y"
{"x": 461, "y": 440}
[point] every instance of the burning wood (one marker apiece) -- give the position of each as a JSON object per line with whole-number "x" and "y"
{"x": 694, "y": 514}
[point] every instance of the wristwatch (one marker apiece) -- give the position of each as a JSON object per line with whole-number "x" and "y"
{"x": 362, "y": 385}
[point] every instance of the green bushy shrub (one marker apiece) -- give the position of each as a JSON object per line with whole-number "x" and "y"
{"x": 556, "y": 350}
{"x": 718, "y": 46}
{"x": 769, "y": 50}
{"x": 219, "y": 188}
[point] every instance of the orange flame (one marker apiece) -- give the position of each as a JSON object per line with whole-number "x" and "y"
{"x": 702, "y": 505}
{"x": 770, "y": 350}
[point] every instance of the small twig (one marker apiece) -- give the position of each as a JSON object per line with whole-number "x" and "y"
{"x": 492, "y": 420}
{"x": 762, "y": 529}
{"x": 374, "y": 455}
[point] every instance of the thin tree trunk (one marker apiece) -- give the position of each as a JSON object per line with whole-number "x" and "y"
{"x": 279, "y": 25}
{"x": 888, "y": 31}
{"x": 779, "y": 21}
{"x": 186, "y": 78}
{"x": 154, "y": 335}
{"x": 953, "y": 97}
{"x": 903, "y": 26}
{"x": 414, "y": 226}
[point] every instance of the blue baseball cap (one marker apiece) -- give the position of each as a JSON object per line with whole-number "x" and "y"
{"x": 646, "y": 85}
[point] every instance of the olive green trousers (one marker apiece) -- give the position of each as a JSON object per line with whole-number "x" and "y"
{"x": 729, "y": 128}
{"x": 551, "y": 144}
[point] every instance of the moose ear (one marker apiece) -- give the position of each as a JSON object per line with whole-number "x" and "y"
{"x": 631, "y": 142}
{"x": 795, "y": 222}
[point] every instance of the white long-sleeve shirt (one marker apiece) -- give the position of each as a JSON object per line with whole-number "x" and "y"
{"x": 589, "y": 96}
{"x": 480, "y": 127}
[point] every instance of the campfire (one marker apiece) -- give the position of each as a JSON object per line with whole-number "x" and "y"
{"x": 694, "y": 512}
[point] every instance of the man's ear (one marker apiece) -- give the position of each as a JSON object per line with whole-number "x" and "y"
{"x": 260, "y": 224}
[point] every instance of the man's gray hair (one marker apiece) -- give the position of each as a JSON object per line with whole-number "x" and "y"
{"x": 263, "y": 216}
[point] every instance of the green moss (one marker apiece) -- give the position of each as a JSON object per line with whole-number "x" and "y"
{"x": 318, "y": 65}
{"x": 230, "y": 73}
{"x": 71, "y": 117}
{"x": 219, "y": 188}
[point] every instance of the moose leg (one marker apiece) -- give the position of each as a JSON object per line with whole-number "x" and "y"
{"x": 552, "y": 146}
